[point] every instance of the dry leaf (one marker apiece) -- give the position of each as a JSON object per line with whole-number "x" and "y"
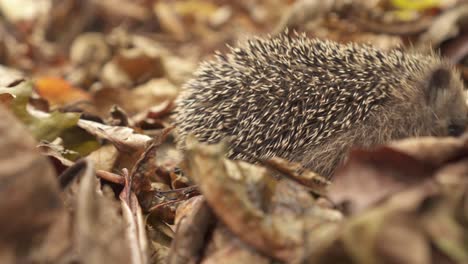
{"x": 194, "y": 219}
{"x": 59, "y": 92}
{"x": 29, "y": 196}
{"x": 371, "y": 175}
{"x": 123, "y": 138}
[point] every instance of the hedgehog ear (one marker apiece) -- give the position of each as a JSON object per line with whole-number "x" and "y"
{"x": 439, "y": 81}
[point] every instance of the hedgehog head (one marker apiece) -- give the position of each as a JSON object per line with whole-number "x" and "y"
{"x": 447, "y": 100}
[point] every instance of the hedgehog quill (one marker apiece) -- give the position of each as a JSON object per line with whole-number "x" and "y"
{"x": 310, "y": 101}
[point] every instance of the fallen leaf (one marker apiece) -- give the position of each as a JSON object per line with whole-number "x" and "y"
{"x": 124, "y": 138}
{"x": 44, "y": 126}
{"x": 139, "y": 66}
{"x": 29, "y": 196}
{"x": 296, "y": 172}
{"x": 59, "y": 92}
{"x": 371, "y": 175}
{"x": 99, "y": 213}
{"x": 194, "y": 221}
{"x": 222, "y": 184}
{"x": 135, "y": 225}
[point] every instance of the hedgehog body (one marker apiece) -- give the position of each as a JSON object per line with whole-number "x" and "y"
{"x": 310, "y": 100}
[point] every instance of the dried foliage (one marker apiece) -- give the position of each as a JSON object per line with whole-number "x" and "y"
{"x": 89, "y": 172}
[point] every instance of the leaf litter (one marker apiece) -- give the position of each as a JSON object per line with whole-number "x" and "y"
{"x": 89, "y": 172}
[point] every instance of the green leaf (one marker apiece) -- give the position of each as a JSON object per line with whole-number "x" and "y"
{"x": 44, "y": 126}
{"x": 416, "y": 4}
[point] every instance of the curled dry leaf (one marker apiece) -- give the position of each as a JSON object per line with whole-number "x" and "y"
{"x": 433, "y": 150}
{"x": 57, "y": 153}
{"x": 421, "y": 214}
{"x": 371, "y": 175}
{"x": 194, "y": 221}
{"x": 135, "y": 225}
{"x": 222, "y": 182}
{"x": 123, "y": 138}
{"x": 146, "y": 164}
{"x": 397, "y": 28}
{"x": 136, "y": 233}
{"x": 449, "y": 212}
{"x": 98, "y": 213}
{"x": 88, "y": 53}
{"x": 296, "y": 172}
{"x": 114, "y": 77}
{"x": 156, "y": 111}
{"x": 14, "y": 11}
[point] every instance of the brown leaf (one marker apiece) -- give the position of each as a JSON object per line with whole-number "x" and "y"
{"x": 222, "y": 182}
{"x": 154, "y": 92}
{"x": 135, "y": 225}
{"x": 146, "y": 164}
{"x": 29, "y": 193}
{"x": 296, "y": 172}
{"x": 56, "y": 151}
{"x": 226, "y": 248}
{"x": 194, "y": 221}
{"x": 100, "y": 231}
{"x": 389, "y": 241}
{"x": 371, "y": 175}
{"x": 104, "y": 158}
{"x": 124, "y": 138}
{"x": 139, "y": 66}
{"x": 433, "y": 150}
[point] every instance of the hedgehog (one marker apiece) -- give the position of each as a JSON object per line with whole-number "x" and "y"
{"x": 310, "y": 100}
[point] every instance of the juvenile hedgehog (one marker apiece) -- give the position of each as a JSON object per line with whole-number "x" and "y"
{"x": 310, "y": 100}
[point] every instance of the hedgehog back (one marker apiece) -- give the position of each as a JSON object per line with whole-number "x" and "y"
{"x": 284, "y": 95}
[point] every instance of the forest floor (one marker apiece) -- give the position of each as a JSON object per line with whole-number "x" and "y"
{"x": 89, "y": 172}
